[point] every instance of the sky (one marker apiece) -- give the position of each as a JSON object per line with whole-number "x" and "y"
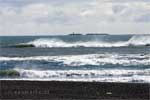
{"x": 53, "y": 17}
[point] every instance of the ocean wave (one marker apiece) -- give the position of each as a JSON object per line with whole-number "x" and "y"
{"x": 137, "y": 40}
{"x": 135, "y": 79}
{"x": 89, "y": 59}
{"x": 80, "y": 73}
{"x": 114, "y": 75}
{"x": 111, "y": 75}
{"x": 59, "y": 43}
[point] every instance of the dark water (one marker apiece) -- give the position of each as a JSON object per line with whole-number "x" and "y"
{"x": 110, "y": 58}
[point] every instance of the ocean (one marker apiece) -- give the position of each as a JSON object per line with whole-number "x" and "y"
{"x": 102, "y": 58}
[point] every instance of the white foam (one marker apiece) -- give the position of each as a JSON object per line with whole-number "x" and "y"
{"x": 59, "y": 43}
{"x": 145, "y": 79}
{"x": 135, "y": 40}
{"x": 114, "y": 75}
{"x": 139, "y": 40}
{"x": 90, "y": 59}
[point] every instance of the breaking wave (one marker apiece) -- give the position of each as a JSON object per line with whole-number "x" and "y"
{"x": 59, "y": 43}
{"x": 90, "y": 59}
{"x": 140, "y": 40}
{"x": 137, "y": 40}
{"x": 114, "y": 75}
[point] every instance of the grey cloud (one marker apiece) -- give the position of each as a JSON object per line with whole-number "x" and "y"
{"x": 144, "y": 18}
{"x": 19, "y": 3}
{"x": 65, "y": 16}
{"x": 52, "y": 19}
{"x": 118, "y": 8}
{"x": 123, "y": 1}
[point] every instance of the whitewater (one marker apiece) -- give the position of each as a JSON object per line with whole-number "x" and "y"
{"x": 54, "y": 42}
{"x": 103, "y": 58}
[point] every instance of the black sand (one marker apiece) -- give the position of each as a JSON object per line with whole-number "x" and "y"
{"x": 55, "y": 90}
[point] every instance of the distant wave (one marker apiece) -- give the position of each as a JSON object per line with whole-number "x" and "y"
{"x": 137, "y": 40}
{"x": 59, "y": 43}
{"x": 90, "y": 59}
{"x": 140, "y": 40}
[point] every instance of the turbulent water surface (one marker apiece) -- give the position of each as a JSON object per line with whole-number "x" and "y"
{"x": 106, "y": 58}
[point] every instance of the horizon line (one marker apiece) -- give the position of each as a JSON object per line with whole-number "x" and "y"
{"x": 79, "y": 34}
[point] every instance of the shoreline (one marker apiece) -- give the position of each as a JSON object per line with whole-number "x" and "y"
{"x": 73, "y": 90}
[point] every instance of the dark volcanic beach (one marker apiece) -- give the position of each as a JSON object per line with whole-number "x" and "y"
{"x": 67, "y": 90}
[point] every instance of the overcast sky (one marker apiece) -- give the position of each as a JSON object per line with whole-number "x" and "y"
{"x": 47, "y": 17}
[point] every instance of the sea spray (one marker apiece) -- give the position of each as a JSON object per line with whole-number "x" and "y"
{"x": 136, "y": 40}
{"x": 114, "y": 75}
{"x": 90, "y": 59}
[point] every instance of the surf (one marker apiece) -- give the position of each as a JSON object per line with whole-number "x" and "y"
{"x": 136, "y": 40}
{"x": 89, "y": 59}
{"x": 113, "y": 75}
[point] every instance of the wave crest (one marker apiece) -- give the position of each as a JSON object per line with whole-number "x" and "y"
{"x": 114, "y": 75}
{"x": 60, "y": 43}
{"x": 90, "y": 59}
{"x": 140, "y": 40}
{"x": 137, "y": 40}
